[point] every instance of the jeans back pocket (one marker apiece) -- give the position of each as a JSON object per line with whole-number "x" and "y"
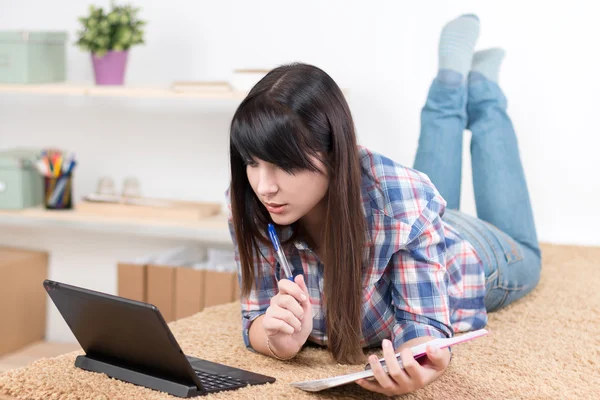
{"x": 510, "y": 247}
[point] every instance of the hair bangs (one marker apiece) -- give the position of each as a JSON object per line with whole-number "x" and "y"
{"x": 273, "y": 134}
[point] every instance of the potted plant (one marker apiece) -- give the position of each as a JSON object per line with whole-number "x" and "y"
{"x": 108, "y": 37}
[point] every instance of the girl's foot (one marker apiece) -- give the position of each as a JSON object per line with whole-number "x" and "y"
{"x": 457, "y": 43}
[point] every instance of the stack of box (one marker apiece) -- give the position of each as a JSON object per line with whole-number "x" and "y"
{"x": 182, "y": 281}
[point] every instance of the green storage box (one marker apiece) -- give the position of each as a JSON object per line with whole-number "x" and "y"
{"x": 21, "y": 185}
{"x": 32, "y": 57}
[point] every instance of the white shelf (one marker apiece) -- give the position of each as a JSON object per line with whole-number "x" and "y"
{"x": 72, "y": 89}
{"x": 212, "y": 230}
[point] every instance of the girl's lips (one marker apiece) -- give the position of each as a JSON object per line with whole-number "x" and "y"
{"x": 275, "y": 208}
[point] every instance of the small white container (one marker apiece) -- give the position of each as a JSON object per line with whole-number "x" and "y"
{"x": 243, "y": 80}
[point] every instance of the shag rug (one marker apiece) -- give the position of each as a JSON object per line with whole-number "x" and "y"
{"x": 545, "y": 346}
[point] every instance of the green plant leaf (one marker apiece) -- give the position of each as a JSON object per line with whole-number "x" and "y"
{"x": 104, "y": 26}
{"x": 113, "y": 18}
{"x": 118, "y": 29}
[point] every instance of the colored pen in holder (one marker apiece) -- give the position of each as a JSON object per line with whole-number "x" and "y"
{"x": 58, "y": 192}
{"x": 57, "y": 171}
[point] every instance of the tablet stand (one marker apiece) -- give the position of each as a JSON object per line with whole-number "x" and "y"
{"x": 137, "y": 378}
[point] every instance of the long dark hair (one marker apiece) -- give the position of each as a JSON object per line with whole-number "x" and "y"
{"x": 297, "y": 111}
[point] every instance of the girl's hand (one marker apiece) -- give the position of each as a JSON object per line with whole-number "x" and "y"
{"x": 414, "y": 376}
{"x": 288, "y": 321}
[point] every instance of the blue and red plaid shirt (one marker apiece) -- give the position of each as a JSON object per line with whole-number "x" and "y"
{"x": 422, "y": 279}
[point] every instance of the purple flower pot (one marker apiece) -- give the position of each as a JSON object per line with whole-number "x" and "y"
{"x": 110, "y": 68}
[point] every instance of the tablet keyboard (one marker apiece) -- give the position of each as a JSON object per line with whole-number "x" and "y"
{"x": 214, "y": 383}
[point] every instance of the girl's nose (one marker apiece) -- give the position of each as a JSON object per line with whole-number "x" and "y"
{"x": 267, "y": 184}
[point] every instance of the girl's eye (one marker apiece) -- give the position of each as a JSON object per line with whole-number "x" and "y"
{"x": 250, "y": 163}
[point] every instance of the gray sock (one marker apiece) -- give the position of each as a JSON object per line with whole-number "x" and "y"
{"x": 457, "y": 43}
{"x": 487, "y": 63}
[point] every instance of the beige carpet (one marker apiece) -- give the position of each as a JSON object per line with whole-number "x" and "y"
{"x": 546, "y": 346}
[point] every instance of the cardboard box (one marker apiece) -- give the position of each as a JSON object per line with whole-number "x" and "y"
{"x": 178, "y": 292}
{"x": 161, "y": 290}
{"x": 189, "y": 291}
{"x": 131, "y": 281}
{"x": 22, "y": 298}
{"x": 219, "y": 288}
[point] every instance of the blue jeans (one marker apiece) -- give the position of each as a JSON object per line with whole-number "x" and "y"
{"x": 503, "y": 234}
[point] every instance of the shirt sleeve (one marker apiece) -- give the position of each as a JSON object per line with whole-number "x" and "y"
{"x": 420, "y": 279}
{"x": 257, "y": 302}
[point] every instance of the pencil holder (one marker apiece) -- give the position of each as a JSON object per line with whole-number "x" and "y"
{"x": 58, "y": 192}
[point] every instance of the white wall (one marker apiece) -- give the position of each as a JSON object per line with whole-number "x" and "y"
{"x": 383, "y": 51}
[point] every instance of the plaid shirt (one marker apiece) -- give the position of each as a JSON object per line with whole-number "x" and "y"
{"x": 422, "y": 279}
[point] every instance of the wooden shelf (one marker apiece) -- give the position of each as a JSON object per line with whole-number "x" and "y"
{"x": 210, "y": 230}
{"x": 71, "y": 89}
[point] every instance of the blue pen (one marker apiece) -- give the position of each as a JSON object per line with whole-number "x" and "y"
{"x": 279, "y": 252}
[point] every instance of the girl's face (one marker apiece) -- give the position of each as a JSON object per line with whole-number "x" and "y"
{"x": 287, "y": 196}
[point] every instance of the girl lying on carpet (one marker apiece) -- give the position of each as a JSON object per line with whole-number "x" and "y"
{"x": 379, "y": 251}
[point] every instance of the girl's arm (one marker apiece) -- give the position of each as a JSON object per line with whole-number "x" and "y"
{"x": 258, "y": 336}
{"x": 420, "y": 296}
{"x": 419, "y": 281}
{"x": 258, "y": 341}
{"x": 273, "y": 308}
{"x": 284, "y": 328}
